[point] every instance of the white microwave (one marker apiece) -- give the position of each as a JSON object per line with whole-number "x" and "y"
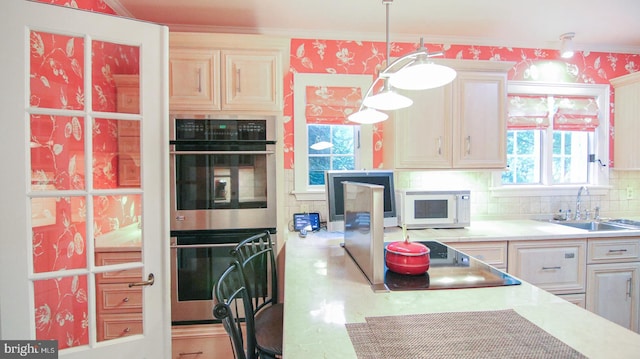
{"x": 418, "y": 209}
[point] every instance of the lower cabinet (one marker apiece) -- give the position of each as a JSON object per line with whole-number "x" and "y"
{"x": 613, "y": 280}
{"x": 118, "y": 307}
{"x": 492, "y": 253}
{"x": 206, "y": 341}
{"x": 557, "y": 266}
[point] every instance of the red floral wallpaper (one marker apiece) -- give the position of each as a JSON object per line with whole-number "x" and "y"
{"x": 58, "y": 163}
{"x": 91, "y": 5}
{"x": 360, "y": 57}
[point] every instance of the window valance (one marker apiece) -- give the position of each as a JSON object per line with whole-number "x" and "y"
{"x": 527, "y": 112}
{"x": 331, "y": 104}
{"x": 575, "y": 114}
{"x": 570, "y": 113}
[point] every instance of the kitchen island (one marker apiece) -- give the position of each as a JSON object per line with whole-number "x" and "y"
{"x": 324, "y": 290}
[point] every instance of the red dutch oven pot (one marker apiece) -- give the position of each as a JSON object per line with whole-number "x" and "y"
{"x": 407, "y": 257}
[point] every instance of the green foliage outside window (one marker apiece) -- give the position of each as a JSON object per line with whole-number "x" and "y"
{"x": 340, "y": 156}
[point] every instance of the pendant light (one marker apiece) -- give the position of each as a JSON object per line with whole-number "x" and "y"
{"x": 368, "y": 116}
{"x": 417, "y": 74}
{"x": 387, "y": 99}
{"x": 422, "y": 74}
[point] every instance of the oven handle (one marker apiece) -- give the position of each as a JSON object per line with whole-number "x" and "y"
{"x": 180, "y": 246}
{"x": 222, "y": 152}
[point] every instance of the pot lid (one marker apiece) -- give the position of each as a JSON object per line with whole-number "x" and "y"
{"x": 408, "y": 248}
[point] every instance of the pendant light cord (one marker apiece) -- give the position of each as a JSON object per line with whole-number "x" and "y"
{"x": 387, "y": 3}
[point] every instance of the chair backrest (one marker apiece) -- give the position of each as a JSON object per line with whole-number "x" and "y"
{"x": 257, "y": 256}
{"x": 232, "y": 305}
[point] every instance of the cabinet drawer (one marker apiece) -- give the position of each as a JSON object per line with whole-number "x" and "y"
{"x": 614, "y": 250}
{"x": 118, "y": 298}
{"x": 556, "y": 266}
{"x": 121, "y": 276}
{"x": 114, "y": 326}
{"x": 493, "y": 253}
{"x": 577, "y": 299}
{"x": 200, "y": 342}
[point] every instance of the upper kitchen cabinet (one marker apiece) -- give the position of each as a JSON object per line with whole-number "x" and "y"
{"x": 194, "y": 79}
{"x": 227, "y": 73}
{"x": 461, "y": 125}
{"x": 626, "y": 154}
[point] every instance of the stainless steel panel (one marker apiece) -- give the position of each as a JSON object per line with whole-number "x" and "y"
{"x": 364, "y": 229}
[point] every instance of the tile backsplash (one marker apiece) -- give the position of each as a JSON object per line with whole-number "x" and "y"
{"x": 485, "y": 204}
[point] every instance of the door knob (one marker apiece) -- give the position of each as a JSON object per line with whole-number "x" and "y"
{"x": 149, "y": 281}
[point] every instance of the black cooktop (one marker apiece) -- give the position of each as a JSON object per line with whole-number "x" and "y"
{"x": 449, "y": 269}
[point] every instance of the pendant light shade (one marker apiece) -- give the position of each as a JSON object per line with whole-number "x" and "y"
{"x": 321, "y": 145}
{"x": 387, "y": 99}
{"x": 422, "y": 76}
{"x": 368, "y": 116}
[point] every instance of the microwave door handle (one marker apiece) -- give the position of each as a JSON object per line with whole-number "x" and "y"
{"x": 222, "y": 152}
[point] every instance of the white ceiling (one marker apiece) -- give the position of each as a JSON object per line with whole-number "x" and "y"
{"x": 608, "y": 26}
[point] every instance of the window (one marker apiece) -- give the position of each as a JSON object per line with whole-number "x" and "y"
{"x": 557, "y": 136}
{"x": 324, "y": 140}
{"x": 341, "y": 155}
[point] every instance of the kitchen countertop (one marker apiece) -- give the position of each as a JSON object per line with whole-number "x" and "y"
{"x": 324, "y": 289}
{"x": 526, "y": 229}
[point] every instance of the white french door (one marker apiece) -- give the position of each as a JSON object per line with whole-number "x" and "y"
{"x": 83, "y": 215}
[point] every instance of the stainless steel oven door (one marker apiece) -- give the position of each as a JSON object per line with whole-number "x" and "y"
{"x": 223, "y": 189}
{"x": 194, "y": 270}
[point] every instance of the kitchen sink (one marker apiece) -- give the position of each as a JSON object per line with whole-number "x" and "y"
{"x": 595, "y": 226}
{"x": 626, "y": 222}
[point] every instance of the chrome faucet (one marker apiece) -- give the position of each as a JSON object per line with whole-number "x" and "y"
{"x": 578, "y": 216}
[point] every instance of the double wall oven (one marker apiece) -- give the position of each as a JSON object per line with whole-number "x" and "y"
{"x": 222, "y": 191}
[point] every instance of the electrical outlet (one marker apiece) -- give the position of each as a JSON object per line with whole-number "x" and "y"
{"x": 304, "y": 208}
{"x": 629, "y": 192}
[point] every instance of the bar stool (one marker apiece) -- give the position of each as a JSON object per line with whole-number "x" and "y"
{"x": 232, "y": 305}
{"x": 257, "y": 257}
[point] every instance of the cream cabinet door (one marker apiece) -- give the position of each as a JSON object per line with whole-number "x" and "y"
{"x": 627, "y": 126}
{"x": 480, "y": 132}
{"x": 612, "y": 292}
{"x": 194, "y": 80}
{"x": 251, "y": 80}
{"x": 420, "y": 136}
{"x": 556, "y": 266}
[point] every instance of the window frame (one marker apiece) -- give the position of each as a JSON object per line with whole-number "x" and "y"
{"x": 598, "y": 175}
{"x": 302, "y": 190}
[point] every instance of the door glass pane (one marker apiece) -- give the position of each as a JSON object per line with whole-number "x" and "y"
{"x": 111, "y": 90}
{"x": 56, "y": 71}
{"x": 116, "y": 153}
{"x": 58, "y": 233}
{"x": 57, "y": 152}
{"x": 117, "y": 221}
{"x": 61, "y": 310}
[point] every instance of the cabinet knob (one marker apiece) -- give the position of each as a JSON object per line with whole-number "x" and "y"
{"x": 125, "y": 299}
